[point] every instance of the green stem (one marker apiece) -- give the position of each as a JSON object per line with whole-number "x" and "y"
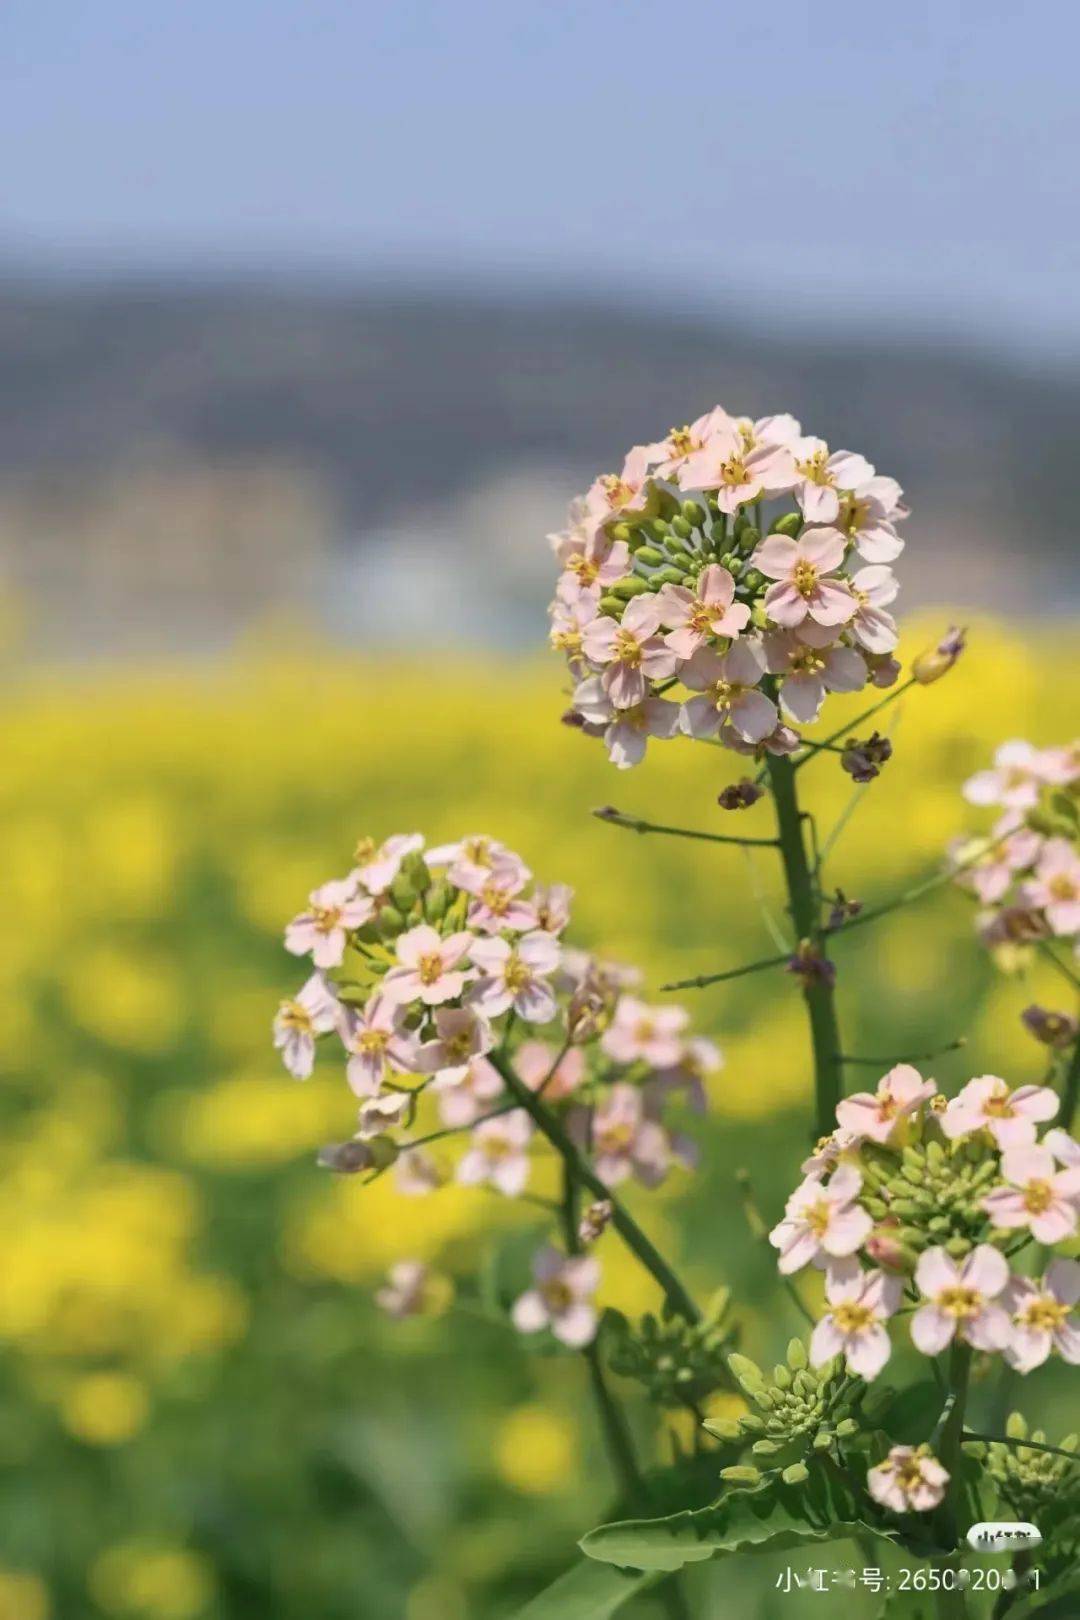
{"x": 852, "y": 725}
{"x": 1070, "y": 1087}
{"x": 578, "y": 1165}
{"x": 803, "y": 902}
{"x": 615, "y": 818}
{"x": 618, "y": 1439}
{"x": 952, "y": 1429}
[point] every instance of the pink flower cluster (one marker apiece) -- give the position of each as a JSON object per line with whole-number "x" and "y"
{"x": 1026, "y": 872}
{"x": 859, "y": 1202}
{"x": 441, "y": 975}
{"x": 677, "y": 611}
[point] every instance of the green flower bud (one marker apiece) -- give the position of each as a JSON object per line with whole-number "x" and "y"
{"x": 759, "y": 618}
{"x": 764, "y": 1448}
{"x": 753, "y": 580}
{"x": 958, "y": 1248}
{"x": 667, "y": 576}
{"x": 650, "y": 555}
{"x": 680, "y": 527}
{"x": 732, "y": 562}
{"x": 797, "y": 1357}
{"x": 724, "y": 1428}
{"x": 624, "y": 589}
{"x": 693, "y": 513}
{"x": 658, "y": 529}
{"x": 437, "y": 899}
{"x": 390, "y": 921}
{"x": 748, "y": 538}
{"x": 781, "y": 1376}
{"x": 846, "y": 1428}
{"x": 795, "y": 1474}
{"x": 741, "y": 1475}
{"x": 823, "y": 1440}
{"x": 611, "y": 605}
{"x": 789, "y": 523}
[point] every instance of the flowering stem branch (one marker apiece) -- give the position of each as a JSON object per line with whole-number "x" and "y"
{"x": 616, "y": 818}
{"x": 580, "y": 1168}
{"x": 702, "y": 980}
{"x": 815, "y": 748}
{"x": 906, "y": 1057}
{"x": 803, "y": 904}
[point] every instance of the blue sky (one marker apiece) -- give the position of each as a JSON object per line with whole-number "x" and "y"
{"x": 837, "y": 161}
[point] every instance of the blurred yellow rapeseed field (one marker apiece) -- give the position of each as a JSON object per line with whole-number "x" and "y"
{"x": 160, "y": 828}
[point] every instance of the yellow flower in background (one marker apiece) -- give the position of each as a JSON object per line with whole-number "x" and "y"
{"x": 142, "y": 1580}
{"x": 258, "y": 1120}
{"x": 23, "y": 1597}
{"x": 127, "y": 998}
{"x": 105, "y": 1409}
{"x": 535, "y": 1450}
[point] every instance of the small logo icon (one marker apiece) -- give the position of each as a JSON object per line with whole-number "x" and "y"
{"x": 995, "y": 1536}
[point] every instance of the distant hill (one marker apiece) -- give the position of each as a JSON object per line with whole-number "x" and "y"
{"x": 179, "y": 460}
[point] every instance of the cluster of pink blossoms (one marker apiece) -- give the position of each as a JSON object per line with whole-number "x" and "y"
{"x": 918, "y": 1204}
{"x": 670, "y": 580}
{"x": 439, "y": 976}
{"x": 1026, "y": 873}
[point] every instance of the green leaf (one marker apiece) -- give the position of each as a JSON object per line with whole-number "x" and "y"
{"x": 588, "y": 1591}
{"x": 912, "y": 1416}
{"x": 769, "y": 1516}
{"x": 1058, "y": 1601}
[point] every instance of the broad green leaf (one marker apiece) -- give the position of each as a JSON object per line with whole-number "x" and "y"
{"x": 588, "y": 1591}
{"x": 912, "y": 1415}
{"x": 769, "y": 1516}
{"x": 1058, "y": 1601}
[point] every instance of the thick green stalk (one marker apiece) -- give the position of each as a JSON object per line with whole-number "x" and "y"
{"x": 803, "y": 903}
{"x": 582, "y": 1171}
{"x": 952, "y": 1605}
{"x": 1070, "y": 1087}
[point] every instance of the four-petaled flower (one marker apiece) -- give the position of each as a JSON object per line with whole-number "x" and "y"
{"x": 876, "y": 1114}
{"x": 323, "y": 929}
{"x": 498, "y": 1154}
{"x": 1042, "y": 1315}
{"x": 515, "y": 975}
{"x": 910, "y": 1480}
{"x": 986, "y": 1103}
{"x": 313, "y": 1011}
{"x": 820, "y": 478}
{"x": 809, "y": 672}
{"x": 561, "y": 1298}
{"x": 806, "y": 585}
{"x": 378, "y": 865}
{"x": 962, "y": 1300}
{"x": 728, "y": 684}
{"x": 652, "y": 1035}
{"x": 1055, "y": 886}
{"x": 428, "y": 966}
{"x": 854, "y": 1326}
{"x": 822, "y": 1220}
{"x": 1039, "y": 1196}
{"x": 630, "y": 650}
{"x": 693, "y": 617}
{"x": 376, "y": 1039}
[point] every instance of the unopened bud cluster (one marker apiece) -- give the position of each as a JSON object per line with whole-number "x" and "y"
{"x": 723, "y": 582}
{"x": 678, "y": 1362}
{"x": 1031, "y": 1481}
{"x": 799, "y": 1411}
{"x": 1026, "y": 871}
